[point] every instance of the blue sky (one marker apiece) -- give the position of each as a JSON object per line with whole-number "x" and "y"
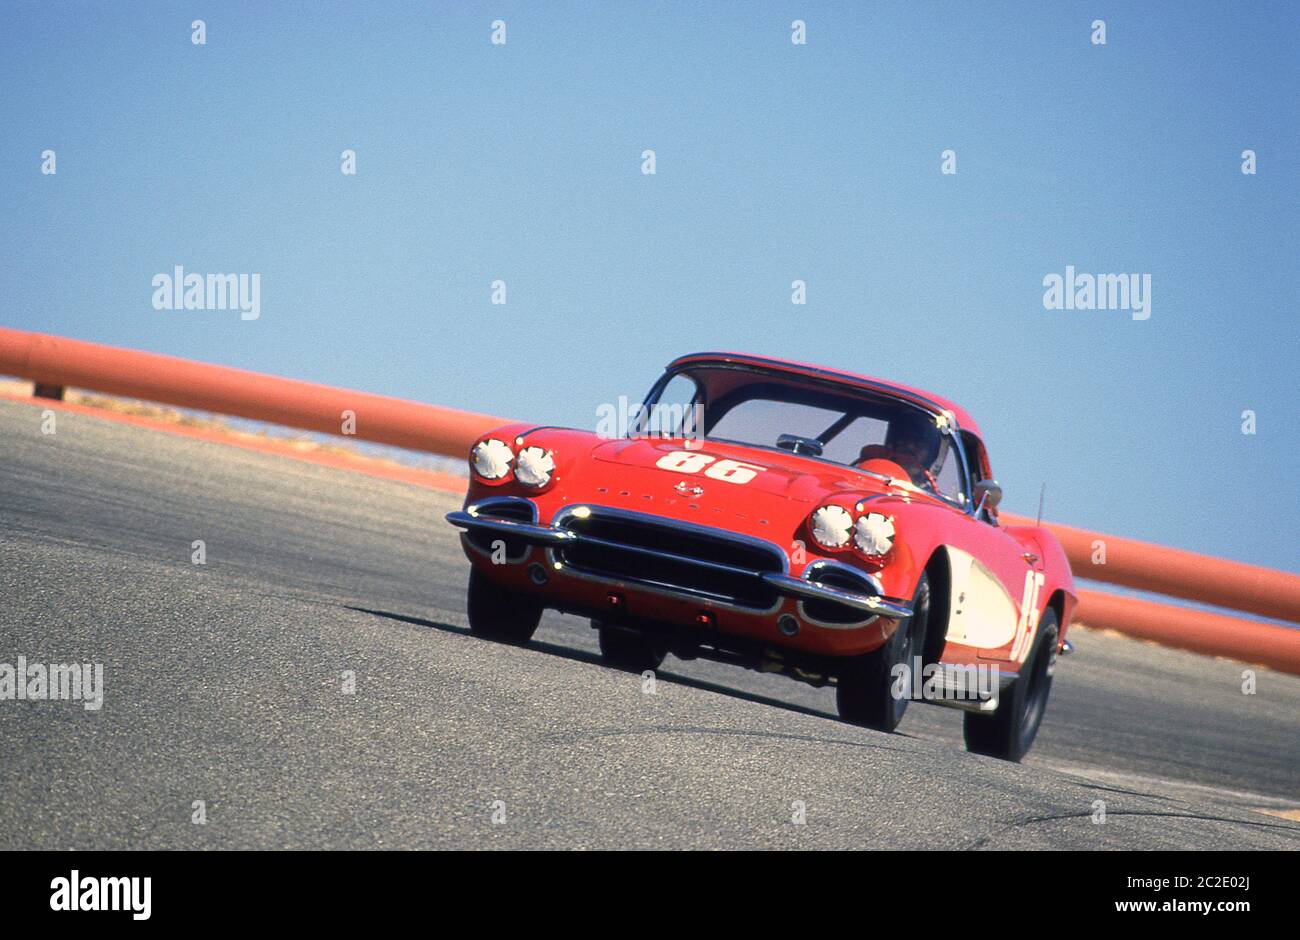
{"x": 775, "y": 162}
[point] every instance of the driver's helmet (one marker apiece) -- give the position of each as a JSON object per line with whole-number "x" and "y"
{"x": 914, "y": 430}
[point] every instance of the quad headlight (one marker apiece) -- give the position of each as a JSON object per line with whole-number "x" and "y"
{"x": 491, "y": 458}
{"x": 834, "y": 527}
{"x": 831, "y": 526}
{"x": 873, "y": 534}
{"x": 534, "y": 466}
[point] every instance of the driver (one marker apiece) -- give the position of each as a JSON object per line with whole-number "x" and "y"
{"x": 912, "y": 442}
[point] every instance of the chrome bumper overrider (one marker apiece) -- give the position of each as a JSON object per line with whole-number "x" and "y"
{"x": 783, "y": 583}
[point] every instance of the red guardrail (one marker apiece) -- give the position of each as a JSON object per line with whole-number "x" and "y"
{"x": 56, "y": 361}
{"x": 1197, "y": 630}
{"x": 1177, "y": 573}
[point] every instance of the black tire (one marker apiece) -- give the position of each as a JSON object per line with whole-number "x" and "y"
{"x": 629, "y": 649}
{"x": 1009, "y": 732}
{"x": 864, "y": 692}
{"x": 496, "y": 613}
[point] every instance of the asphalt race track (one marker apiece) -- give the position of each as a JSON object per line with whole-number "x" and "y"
{"x": 224, "y": 684}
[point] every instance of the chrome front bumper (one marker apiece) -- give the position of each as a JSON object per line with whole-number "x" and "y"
{"x": 784, "y": 584}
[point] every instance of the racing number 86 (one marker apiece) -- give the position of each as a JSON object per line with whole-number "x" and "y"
{"x": 729, "y": 471}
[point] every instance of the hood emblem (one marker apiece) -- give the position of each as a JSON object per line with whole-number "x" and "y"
{"x": 688, "y": 489}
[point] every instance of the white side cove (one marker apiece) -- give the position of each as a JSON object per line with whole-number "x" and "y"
{"x": 983, "y": 614}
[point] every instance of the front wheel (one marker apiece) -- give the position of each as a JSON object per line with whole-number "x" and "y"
{"x": 1010, "y": 731}
{"x": 496, "y": 613}
{"x": 866, "y": 692}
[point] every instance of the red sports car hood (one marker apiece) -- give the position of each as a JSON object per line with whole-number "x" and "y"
{"x": 774, "y": 477}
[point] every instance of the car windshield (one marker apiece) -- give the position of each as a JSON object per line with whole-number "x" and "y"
{"x": 856, "y": 428}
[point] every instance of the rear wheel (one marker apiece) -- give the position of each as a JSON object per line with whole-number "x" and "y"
{"x": 496, "y": 613}
{"x": 629, "y": 649}
{"x": 1010, "y": 731}
{"x": 866, "y": 686}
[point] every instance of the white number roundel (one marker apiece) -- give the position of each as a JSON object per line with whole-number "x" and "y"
{"x": 729, "y": 471}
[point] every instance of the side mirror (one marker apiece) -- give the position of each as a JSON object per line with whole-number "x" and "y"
{"x": 988, "y": 493}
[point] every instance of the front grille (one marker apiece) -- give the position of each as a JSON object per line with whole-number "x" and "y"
{"x": 614, "y": 559}
{"x": 503, "y": 507}
{"x": 829, "y": 611}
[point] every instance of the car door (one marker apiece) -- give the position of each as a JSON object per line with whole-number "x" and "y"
{"x": 994, "y": 584}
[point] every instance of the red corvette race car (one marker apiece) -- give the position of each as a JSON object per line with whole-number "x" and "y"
{"x": 829, "y": 526}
